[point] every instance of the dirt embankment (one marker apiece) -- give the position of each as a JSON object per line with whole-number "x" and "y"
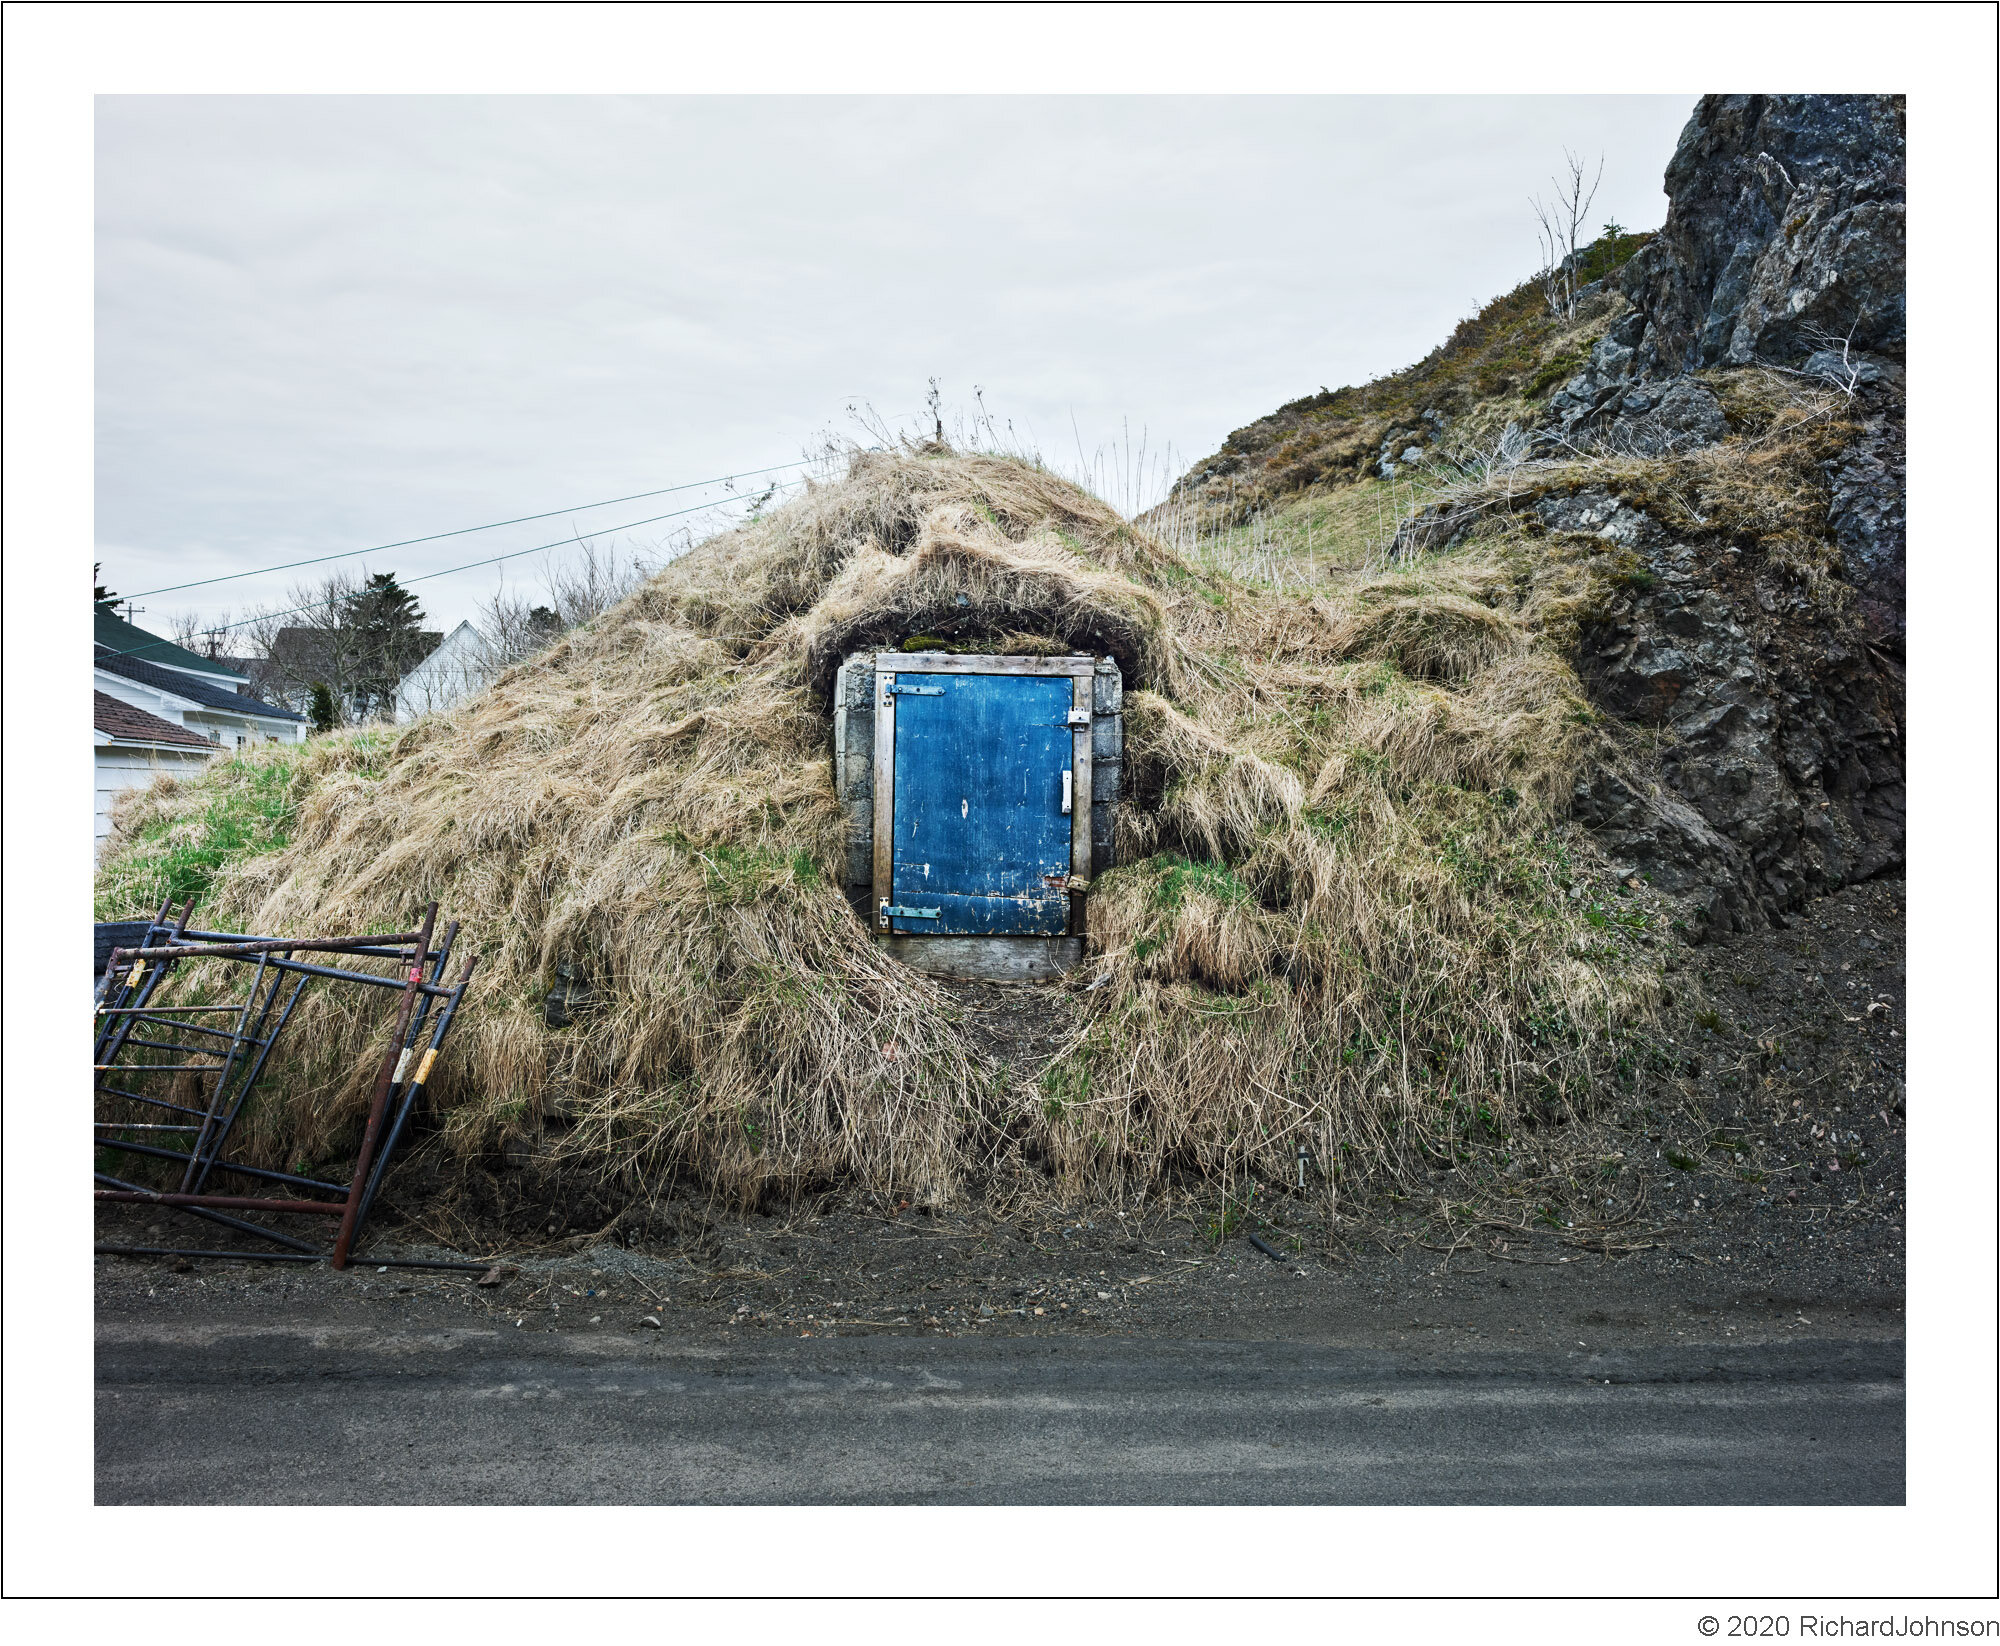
{"x": 1753, "y": 1189}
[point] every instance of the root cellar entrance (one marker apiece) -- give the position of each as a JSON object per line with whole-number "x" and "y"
{"x": 979, "y": 794}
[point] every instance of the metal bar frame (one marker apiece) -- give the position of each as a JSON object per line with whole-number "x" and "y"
{"x": 413, "y": 1087}
{"x": 251, "y": 1075}
{"x": 225, "y": 1069}
{"x": 141, "y": 1097}
{"x": 263, "y": 1173}
{"x": 125, "y": 1000}
{"x": 257, "y": 1229}
{"x": 392, "y": 947}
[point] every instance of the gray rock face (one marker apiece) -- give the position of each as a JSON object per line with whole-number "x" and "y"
{"x": 1866, "y": 514}
{"x": 1403, "y": 446}
{"x": 1841, "y": 368}
{"x": 1647, "y": 830}
{"x": 1684, "y": 417}
{"x": 1782, "y": 774}
{"x": 1783, "y": 244}
{"x": 1786, "y": 221}
{"x": 1635, "y": 416}
{"x": 1781, "y": 771}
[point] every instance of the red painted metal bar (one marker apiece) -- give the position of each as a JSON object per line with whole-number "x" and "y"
{"x": 240, "y": 1203}
{"x": 272, "y": 945}
{"x": 384, "y": 1078}
{"x": 413, "y": 1087}
{"x": 258, "y": 1230}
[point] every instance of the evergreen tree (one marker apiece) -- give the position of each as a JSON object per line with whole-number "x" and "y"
{"x": 384, "y": 624}
{"x": 104, "y": 597}
{"x": 325, "y": 717}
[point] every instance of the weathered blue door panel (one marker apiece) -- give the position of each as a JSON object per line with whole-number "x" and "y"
{"x": 980, "y": 831}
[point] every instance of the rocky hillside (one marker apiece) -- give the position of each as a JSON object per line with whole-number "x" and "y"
{"x": 1718, "y": 433}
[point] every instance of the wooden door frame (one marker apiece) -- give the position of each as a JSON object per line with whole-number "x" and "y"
{"x": 1082, "y": 673}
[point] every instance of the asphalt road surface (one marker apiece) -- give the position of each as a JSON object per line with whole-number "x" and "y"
{"x": 299, "y": 1413}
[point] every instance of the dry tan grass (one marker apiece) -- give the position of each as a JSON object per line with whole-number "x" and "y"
{"x": 1348, "y": 908}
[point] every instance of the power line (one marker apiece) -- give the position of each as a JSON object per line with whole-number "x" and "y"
{"x": 466, "y": 531}
{"x": 473, "y": 565}
{"x": 515, "y": 554}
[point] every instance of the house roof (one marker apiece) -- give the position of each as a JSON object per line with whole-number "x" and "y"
{"x": 212, "y": 696}
{"x": 114, "y": 633}
{"x": 121, "y": 720}
{"x": 306, "y": 648}
{"x": 439, "y": 648}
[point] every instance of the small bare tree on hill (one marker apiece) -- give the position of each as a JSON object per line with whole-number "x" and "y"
{"x": 580, "y": 586}
{"x": 1560, "y": 228}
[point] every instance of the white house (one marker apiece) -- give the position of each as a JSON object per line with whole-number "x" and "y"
{"x": 460, "y": 666}
{"x": 133, "y": 748}
{"x": 162, "y": 708}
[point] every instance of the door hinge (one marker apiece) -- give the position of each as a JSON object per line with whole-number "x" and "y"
{"x": 896, "y": 911}
{"x": 896, "y": 688}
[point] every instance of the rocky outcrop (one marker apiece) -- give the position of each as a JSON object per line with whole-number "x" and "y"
{"x": 1865, "y": 512}
{"x": 1755, "y": 649}
{"x": 1779, "y": 708}
{"x": 1783, "y": 246}
{"x": 1785, "y": 229}
{"x": 1780, "y": 765}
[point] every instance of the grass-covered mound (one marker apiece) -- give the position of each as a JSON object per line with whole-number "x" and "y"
{"x": 1349, "y": 909}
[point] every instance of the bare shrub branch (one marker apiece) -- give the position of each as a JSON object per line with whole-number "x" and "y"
{"x": 1559, "y": 227}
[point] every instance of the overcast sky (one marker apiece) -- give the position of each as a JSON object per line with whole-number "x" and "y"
{"x": 330, "y": 322}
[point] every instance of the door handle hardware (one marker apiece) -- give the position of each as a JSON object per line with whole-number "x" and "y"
{"x": 896, "y": 911}
{"x": 1068, "y": 781}
{"x": 1078, "y": 717}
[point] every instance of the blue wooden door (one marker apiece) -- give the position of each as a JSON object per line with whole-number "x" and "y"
{"x": 981, "y": 835}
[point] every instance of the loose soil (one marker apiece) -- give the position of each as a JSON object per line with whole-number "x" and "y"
{"x": 1747, "y": 1184}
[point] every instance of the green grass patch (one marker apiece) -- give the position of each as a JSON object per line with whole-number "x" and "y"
{"x": 743, "y": 874}
{"x": 1179, "y": 877}
{"x": 250, "y": 809}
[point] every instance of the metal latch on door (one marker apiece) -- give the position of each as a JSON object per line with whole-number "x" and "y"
{"x": 896, "y": 688}
{"x": 896, "y": 911}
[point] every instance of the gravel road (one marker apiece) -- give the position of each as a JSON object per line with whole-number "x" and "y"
{"x": 307, "y": 1413}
